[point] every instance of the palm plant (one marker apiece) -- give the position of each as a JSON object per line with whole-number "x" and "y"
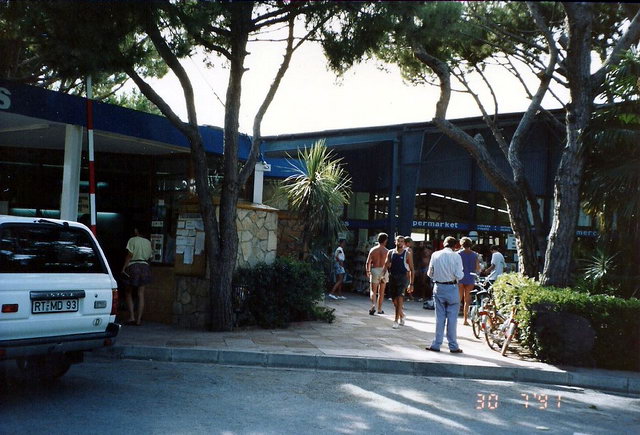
{"x": 318, "y": 192}
{"x": 611, "y": 187}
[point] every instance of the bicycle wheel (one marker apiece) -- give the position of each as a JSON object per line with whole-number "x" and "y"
{"x": 474, "y": 319}
{"x": 508, "y": 337}
{"x": 480, "y": 323}
{"x": 493, "y": 333}
{"x": 476, "y": 327}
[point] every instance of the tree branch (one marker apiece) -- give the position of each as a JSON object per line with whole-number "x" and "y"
{"x": 443, "y": 72}
{"x": 248, "y": 167}
{"x": 172, "y": 62}
{"x": 156, "y": 99}
{"x": 517, "y": 141}
{"x": 630, "y": 37}
{"x": 280, "y": 15}
{"x": 485, "y": 115}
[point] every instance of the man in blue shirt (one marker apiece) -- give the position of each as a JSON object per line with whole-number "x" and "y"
{"x": 445, "y": 269}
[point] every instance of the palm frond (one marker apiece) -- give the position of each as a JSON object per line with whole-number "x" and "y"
{"x": 319, "y": 190}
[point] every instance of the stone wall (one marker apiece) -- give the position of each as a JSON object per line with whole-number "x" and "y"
{"x": 191, "y": 306}
{"x": 257, "y": 235}
{"x": 257, "y": 242}
{"x": 289, "y": 234}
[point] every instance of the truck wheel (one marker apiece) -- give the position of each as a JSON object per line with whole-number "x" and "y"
{"x": 44, "y": 368}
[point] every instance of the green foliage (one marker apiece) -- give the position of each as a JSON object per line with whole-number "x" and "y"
{"x": 599, "y": 266}
{"x": 610, "y": 185}
{"x": 616, "y": 321}
{"x": 283, "y": 292}
{"x": 318, "y": 192}
{"x": 135, "y": 100}
{"x": 613, "y": 156}
{"x": 47, "y": 50}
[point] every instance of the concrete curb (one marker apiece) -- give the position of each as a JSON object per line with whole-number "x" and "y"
{"x": 373, "y": 365}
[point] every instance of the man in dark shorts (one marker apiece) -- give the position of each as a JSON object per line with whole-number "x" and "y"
{"x": 400, "y": 266}
{"x": 137, "y": 273}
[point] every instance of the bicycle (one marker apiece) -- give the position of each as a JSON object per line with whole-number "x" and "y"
{"x": 494, "y": 320}
{"x": 480, "y": 297}
{"x": 510, "y": 326}
{"x": 502, "y": 329}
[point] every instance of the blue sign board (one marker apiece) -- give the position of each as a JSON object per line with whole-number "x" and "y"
{"x": 443, "y": 225}
{"x": 461, "y": 226}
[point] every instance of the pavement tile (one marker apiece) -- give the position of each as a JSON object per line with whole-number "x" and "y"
{"x": 338, "y": 363}
{"x": 181, "y": 343}
{"x": 602, "y": 382}
{"x": 357, "y": 341}
{"x": 300, "y": 345}
{"x": 233, "y": 357}
{"x": 195, "y": 355}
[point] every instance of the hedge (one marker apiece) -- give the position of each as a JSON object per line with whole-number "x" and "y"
{"x": 615, "y": 322}
{"x": 283, "y": 292}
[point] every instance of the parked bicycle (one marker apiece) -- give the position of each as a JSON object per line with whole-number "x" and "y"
{"x": 502, "y": 329}
{"x": 494, "y": 320}
{"x": 480, "y": 297}
{"x": 511, "y": 326}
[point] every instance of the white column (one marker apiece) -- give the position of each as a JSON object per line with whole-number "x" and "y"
{"x": 258, "y": 180}
{"x": 71, "y": 173}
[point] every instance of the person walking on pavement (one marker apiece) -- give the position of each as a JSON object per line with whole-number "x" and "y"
{"x": 375, "y": 271}
{"x": 137, "y": 272}
{"x": 408, "y": 246}
{"x": 400, "y": 266}
{"x": 470, "y": 264}
{"x": 428, "y": 285}
{"x": 497, "y": 265}
{"x": 445, "y": 269}
{"x": 339, "y": 270}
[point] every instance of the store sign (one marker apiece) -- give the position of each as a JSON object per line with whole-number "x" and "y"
{"x": 443, "y": 225}
{"x": 5, "y": 98}
{"x": 497, "y": 228}
{"x": 353, "y": 224}
{"x": 586, "y": 233}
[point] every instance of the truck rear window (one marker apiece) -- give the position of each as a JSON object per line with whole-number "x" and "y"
{"x": 47, "y": 248}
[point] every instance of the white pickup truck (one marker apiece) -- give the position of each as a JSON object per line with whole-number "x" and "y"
{"x": 57, "y": 294}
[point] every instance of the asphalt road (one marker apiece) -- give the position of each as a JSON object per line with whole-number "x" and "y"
{"x": 103, "y": 396}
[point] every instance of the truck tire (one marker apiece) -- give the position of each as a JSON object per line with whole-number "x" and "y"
{"x": 44, "y": 368}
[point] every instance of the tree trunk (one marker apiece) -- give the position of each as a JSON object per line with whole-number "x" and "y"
{"x": 558, "y": 258}
{"x": 525, "y": 237}
{"x": 207, "y": 210}
{"x": 222, "y": 308}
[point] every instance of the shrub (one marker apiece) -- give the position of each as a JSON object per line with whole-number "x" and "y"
{"x": 615, "y": 321}
{"x": 283, "y": 292}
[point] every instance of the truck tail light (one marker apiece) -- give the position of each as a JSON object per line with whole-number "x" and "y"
{"x": 9, "y": 308}
{"x": 114, "y": 302}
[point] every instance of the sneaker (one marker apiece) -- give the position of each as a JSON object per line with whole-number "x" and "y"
{"x": 402, "y": 321}
{"x": 342, "y": 297}
{"x": 395, "y": 325}
{"x": 380, "y": 312}
{"x": 372, "y": 311}
{"x": 332, "y": 296}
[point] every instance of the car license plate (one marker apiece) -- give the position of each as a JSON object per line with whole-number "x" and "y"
{"x": 54, "y": 306}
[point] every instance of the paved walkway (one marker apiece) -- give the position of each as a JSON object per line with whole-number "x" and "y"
{"x": 359, "y": 341}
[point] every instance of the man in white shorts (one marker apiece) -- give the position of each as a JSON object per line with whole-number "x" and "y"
{"x": 378, "y": 277}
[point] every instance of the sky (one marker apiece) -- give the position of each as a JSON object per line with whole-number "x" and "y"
{"x": 311, "y": 98}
